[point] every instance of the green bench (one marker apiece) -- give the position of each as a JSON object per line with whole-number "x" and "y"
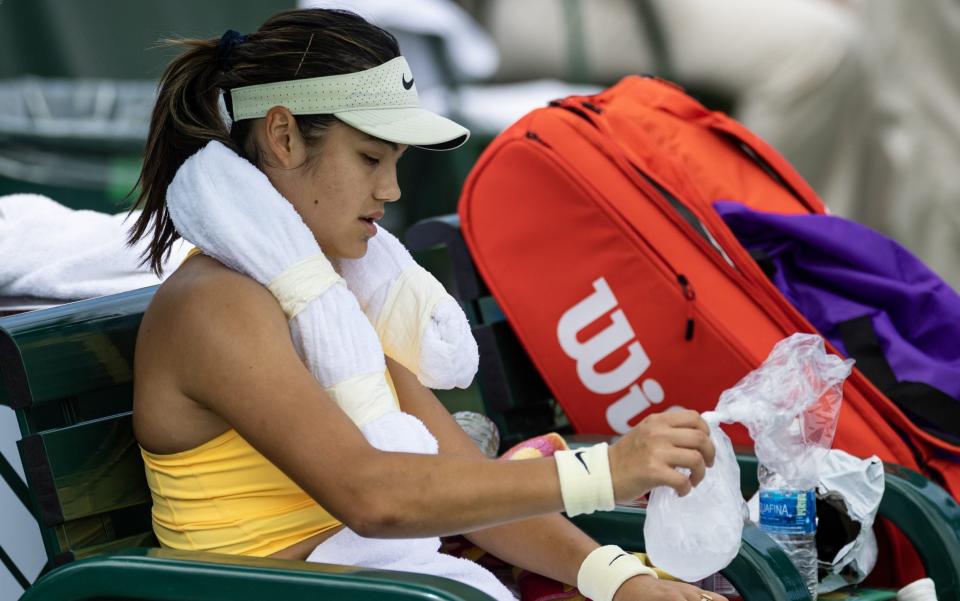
{"x": 510, "y": 384}
{"x": 66, "y": 372}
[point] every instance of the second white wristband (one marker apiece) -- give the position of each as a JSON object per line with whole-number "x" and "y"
{"x": 605, "y": 569}
{"x": 585, "y": 481}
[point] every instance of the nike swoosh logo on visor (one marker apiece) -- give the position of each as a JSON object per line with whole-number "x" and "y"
{"x": 406, "y": 84}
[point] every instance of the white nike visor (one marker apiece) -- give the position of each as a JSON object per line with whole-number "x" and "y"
{"x": 381, "y": 101}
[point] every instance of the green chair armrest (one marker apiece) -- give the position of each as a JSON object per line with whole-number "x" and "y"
{"x": 930, "y": 518}
{"x": 761, "y": 571}
{"x": 168, "y": 575}
{"x": 923, "y": 511}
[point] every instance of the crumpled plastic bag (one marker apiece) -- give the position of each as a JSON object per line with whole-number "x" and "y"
{"x": 858, "y": 484}
{"x": 790, "y": 405}
{"x": 851, "y": 488}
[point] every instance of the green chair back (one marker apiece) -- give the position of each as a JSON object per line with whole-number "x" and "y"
{"x": 514, "y": 395}
{"x": 67, "y": 372}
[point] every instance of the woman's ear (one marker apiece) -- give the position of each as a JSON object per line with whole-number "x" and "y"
{"x": 284, "y": 144}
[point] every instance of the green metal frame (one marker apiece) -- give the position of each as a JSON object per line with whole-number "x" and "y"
{"x": 8, "y": 563}
{"x": 761, "y": 571}
{"x": 923, "y": 511}
{"x": 68, "y": 351}
{"x": 167, "y": 575}
{"x": 12, "y": 479}
{"x": 19, "y": 489}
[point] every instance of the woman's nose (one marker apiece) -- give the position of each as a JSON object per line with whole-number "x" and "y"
{"x": 389, "y": 189}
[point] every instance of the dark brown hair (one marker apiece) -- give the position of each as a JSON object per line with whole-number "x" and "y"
{"x": 295, "y": 44}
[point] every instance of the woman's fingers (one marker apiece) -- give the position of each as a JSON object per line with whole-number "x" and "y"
{"x": 697, "y": 440}
{"x": 685, "y": 418}
{"x": 648, "y": 455}
{"x": 650, "y": 589}
{"x": 690, "y": 459}
{"x": 675, "y": 480}
{"x": 696, "y": 594}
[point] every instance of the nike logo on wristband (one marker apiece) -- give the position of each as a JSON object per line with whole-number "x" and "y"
{"x": 406, "y": 84}
{"x": 580, "y": 459}
{"x": 616, "y": 558}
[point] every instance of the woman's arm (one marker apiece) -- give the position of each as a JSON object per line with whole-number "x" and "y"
{"x": 241, "y": 364}
{"x": 550, "y": 545}
{"x": 547, "y": 544}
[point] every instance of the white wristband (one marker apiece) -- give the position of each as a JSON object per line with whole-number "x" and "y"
{"x": 605, "y": 569}
{"x": 585, "y": 481}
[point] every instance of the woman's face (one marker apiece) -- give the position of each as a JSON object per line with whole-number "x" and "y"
{"x": 343, "y": 190}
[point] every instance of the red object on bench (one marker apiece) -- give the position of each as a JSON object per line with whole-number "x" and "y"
{"x": 591, "y": 221}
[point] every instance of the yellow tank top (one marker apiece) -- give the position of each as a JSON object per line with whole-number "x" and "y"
{"x": 224, "y": 496}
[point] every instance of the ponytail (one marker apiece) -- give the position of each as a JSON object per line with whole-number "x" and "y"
{"x": 185, "y": 117}
{"x": 187, "y": 114}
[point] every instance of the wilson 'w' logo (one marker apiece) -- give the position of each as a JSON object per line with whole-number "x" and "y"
{"x": 625, "y": 377}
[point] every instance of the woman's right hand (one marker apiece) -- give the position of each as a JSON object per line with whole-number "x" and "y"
{"x": 648, "y": 455}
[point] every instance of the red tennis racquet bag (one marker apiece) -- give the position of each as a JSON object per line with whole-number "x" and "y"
{"x": 591, "y": 222}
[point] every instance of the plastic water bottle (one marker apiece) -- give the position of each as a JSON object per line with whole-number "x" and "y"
{"x": 789, "y": 516}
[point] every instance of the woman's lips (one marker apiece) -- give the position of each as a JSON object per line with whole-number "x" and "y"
{"x": 371, "y": 228}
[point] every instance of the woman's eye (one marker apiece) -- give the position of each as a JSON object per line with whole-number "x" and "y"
{"x": 370, "y": 160}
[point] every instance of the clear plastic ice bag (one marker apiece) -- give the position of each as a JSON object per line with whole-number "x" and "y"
{"x": 790, "y": 405}
{"x": 694, "y": 536}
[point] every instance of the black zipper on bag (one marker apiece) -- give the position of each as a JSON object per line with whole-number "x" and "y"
{"x": 532, "y": 135}
{"x": 686, "y": 288}
{"x": 688, "y": 216}
{"x": 678, "y": 206}
{"x": 766, "y": 167}
{"x": 576, "y": 110}
{"x": 690, "y": 296}
{"x": 592, "y": 107}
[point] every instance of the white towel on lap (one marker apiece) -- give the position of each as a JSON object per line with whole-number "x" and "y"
{"x": 401, "y": 432}
{"x": 53, "y": 252}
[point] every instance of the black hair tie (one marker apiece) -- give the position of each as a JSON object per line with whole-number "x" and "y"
{"x": 228, "y": 41}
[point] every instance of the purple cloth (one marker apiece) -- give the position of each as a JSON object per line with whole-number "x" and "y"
{"x": 834, "y": 270}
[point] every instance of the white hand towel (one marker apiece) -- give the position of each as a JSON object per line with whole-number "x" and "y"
{"x": 227, "y": 207}
{"x": 53, "y": 252}
{"x": 400, "y": 432}
{"x": 419, "y": 324}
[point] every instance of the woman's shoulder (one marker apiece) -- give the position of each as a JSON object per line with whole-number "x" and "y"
{"x": 206, "y": 303}
{"x": 198, "y": 327}
{"x": 204, "y": 290}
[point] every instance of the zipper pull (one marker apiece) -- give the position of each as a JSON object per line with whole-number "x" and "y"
{"x": 531, "y": 135}
{"x": 592, "y": 107}
{"x": 690, "y": 295}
